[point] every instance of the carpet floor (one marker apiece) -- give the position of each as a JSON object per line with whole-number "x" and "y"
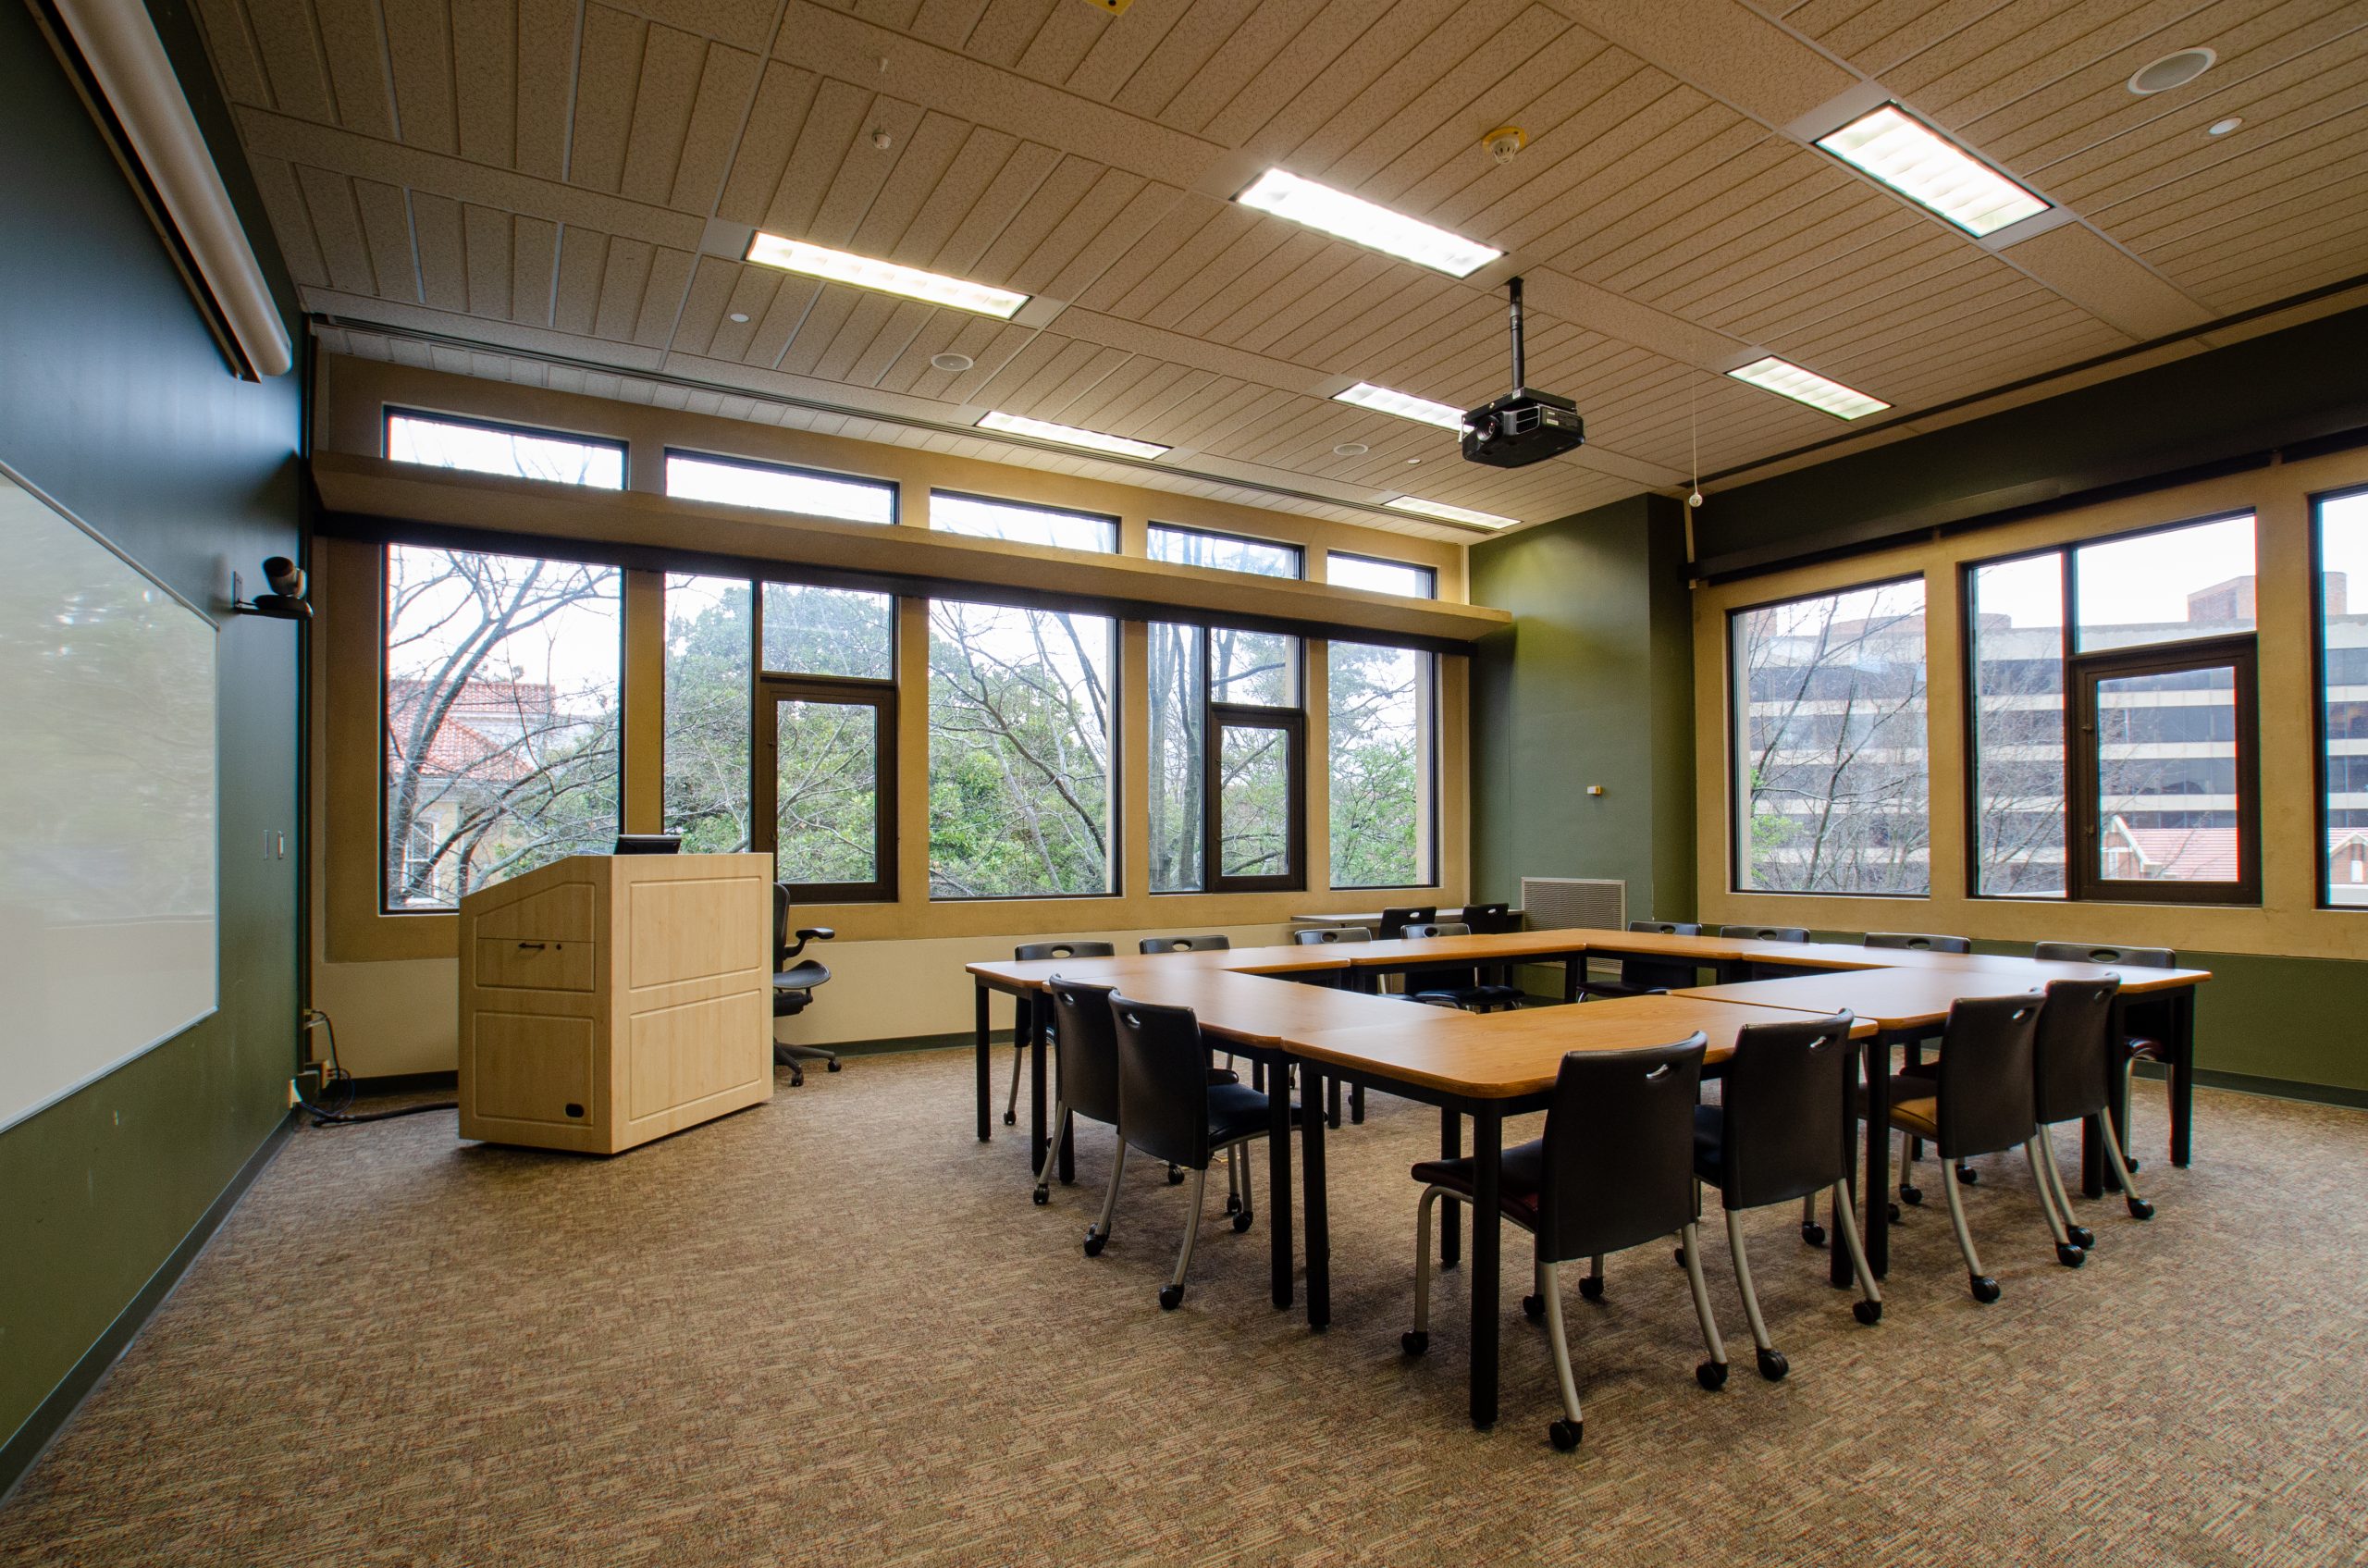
{"x": 832, "y": 1329}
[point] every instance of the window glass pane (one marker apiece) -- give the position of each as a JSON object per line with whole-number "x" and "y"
{"x": 2167, "y": 808}
{"x": 501, "y": 719}
{"x": 2166, "y": 587}
{"x": 827, "y": 799}
{"x": 1260, "y": 669}
{"x": 2019, "y": 726}
{"x": 1189, "y": 547}
{"x": 2343, "y": 589}
{"x": 709, "y": 650}
{"x": 1175, "y": 758}
{"x": 1831, "y": 758}
{"x": 1025, "y": 525}
{"x": 1380, "y": 576}
{"x": 1019, "y": 751}
{"x": 1382, "y": 726}
{"x": 521, "y": 454}
{"x": 780, "y": 489}
{"x": 1254, "y": 801}
{"x": 829, "y": 631}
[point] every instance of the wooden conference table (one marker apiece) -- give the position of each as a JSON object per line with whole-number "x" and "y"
{"x": 1490, "y": 1065}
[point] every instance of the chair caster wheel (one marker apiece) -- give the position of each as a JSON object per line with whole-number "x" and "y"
{"x": 1967, "y": 1175}
{"x": 1094, "y": 1242}
{"x": 1678, "y": 1254}
{"x": 2141, "y": 1209}
{"x": 797, "y": 1077}
{"x": 1241, "y": 1223}
{"x": 1813, "y": 1234}
{"x": 1591, "y": 1287}
{"x": 1175, "y": 1176}
{"x": 1415, "y": 1341}
{"x": 1532, "y": 1307}
{"x": 1711, "y": 1375}
{"x": 1043, "y": 1197}
{"x": 1566, "y": 1434}
{"x": 1893, "y": 1210}
{"x": 1985, "y": 1290}
{"x": 2069, "y": 1255}
{"x": 1010, "y": 1119}
{"x": 831, "y": 1066}
{"x": 1773, "y": 1365}
{"x": 2131, "y": 1161}
{"x": 2082, "y": 1236}
{"x": 1867, "y": 1313}
{"x": 1910, "y": 1194}
{"x": 1170, "y": 1297}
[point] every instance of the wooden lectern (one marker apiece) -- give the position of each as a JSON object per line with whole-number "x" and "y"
{"x": 609, "y": 999}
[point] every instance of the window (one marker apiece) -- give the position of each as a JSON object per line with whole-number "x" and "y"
{"x": 1831, "y": 768}
{"x": 1019, "y": 752}
{"x": 501, "y": 741}
{"x": 1380, "y": 576}
{"x": 710, "y": 658}
{"x": 1224, "y": 552}
{"x": 2342, "y": 559}
{"x": 1383, "y": 723}
{"x": 778, "y": 487}
{"x": 986, "y": 519}
{"x": 510, "y": 451}
{"x": 811, "y": 631}
{"x": 1179, "y": 712}
{"x": 2112, "y": 721}
{"x": 1228, "y": 752}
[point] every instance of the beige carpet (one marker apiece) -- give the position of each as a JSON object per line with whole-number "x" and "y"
{"x": 832, "y": 1329}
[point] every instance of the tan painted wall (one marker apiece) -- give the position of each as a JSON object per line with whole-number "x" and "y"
{"x": 2287, "y": 921}
{"x": 391, "y": 982}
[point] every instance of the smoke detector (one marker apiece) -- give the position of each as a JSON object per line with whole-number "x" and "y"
{"x": 1505, "y": 143}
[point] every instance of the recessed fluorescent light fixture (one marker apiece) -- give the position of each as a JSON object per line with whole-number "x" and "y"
{"x": 1932, "y": 171}
{"x": 888, "y": 278}
{"x": 1405, "y": 405}
{"x": 1361, "y": 223}
{"x": 1787, "y": 379}
{"x": 1446, "y": 513}
{"x": 1068, "y": 435}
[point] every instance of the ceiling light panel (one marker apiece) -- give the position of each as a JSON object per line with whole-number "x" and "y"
{"x": 1068, "y": 435}
{"x": 1446, "y": 513}
{"x": 887, "y": 278}
{"x": 1363, "y": 223}
{"x": 1405, "y": 405}
{"x": 1932, "y": 171}
{"x": 1787, "y": 379}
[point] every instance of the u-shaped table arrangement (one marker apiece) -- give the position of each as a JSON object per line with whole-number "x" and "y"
{"x": 1486, "y": 1067}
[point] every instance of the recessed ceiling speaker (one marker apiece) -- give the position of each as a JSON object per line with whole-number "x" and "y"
{"x": 2172, "y": 70}
{"x": 1351, "y": 449}
{"x": 952, "y": 361}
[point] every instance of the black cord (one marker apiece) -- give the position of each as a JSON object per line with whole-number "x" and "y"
{"x": 336, "y": 1081}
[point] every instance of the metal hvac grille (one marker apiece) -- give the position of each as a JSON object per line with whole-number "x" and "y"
{"x": 1568, "y": 903}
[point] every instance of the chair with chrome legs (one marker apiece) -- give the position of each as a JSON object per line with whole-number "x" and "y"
{"x": 1212, "y": 944}
{"x": 1638, "y": 976}
{"x": 1916, "y": 942}
{"x": 1086, "y": 1081}
{"x": 1614, "y": 1171}
{"x": 1782, "y": 1131}
{"x": 1031, "y": 952}
{"x": 2130, "y": 1049}
{"x": 1978, "y": 1101}
{"x": 1461, "y": 986}
{"x": 2073, "y": 1080}
{"x": 1168, "y": 1108}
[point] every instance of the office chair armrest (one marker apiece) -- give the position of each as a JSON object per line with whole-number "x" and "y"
{"x": 815, "y": 933}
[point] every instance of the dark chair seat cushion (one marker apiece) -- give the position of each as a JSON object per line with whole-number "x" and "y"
{"x": 803, "y": 976}
{"x": 1709, "y": 1156}
{"x": 1520, "y": 1181}
{"x": 1472, "y": 996}
{"x": 1236, "y": 1111}
{"x": 2148, "y": 1050}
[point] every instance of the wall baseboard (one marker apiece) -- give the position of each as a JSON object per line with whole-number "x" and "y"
{"x": 422, "y": 1083}
{"x": 2275, "y": 1088}
{"x": 29, "y": 1441}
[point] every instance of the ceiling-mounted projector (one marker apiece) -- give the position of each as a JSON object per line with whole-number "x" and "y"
{"x": 1523, "y": 426}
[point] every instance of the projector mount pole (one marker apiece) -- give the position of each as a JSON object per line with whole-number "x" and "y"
{"x": 1517, "y": 364}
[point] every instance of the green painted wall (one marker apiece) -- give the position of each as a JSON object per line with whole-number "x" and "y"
{"x": 113, "y": 398}
{"x": 1591, "y": 686}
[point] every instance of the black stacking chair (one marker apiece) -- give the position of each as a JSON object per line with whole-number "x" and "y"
{"x": 1168, "y": 1108}
{"x": 1465, "y": 987}
{"x": 1152, "y": 945}
{"x": 1086, "y": 1081}
{"x": 1315, "y": 936}
{"x": 2131, "y": 1048}
{"x": 1491, "y": 919}
{"x": 1638, "y": 976}
{"x": 2073, "y": 1080}
{"x": 1766, "y": 933}
{"x": 793, "y": 982}
{"x": 1030, "y": 952}
{"x": 1978, "y": 1101}
{"x": 1917, "y": 942}
{"x": 1782, "y": 1131}
{"x": 1395, "y": 921}
{"x": 1614, "y": 1171}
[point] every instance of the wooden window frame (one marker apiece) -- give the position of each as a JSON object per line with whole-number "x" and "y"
{"x": 1291, "y": 723}
{"x": 389, "y": 412}
{"x": 769, "y": 690}
{"x": 1108, "y": 520}
{"x": 2082, "y": 674}
{"x": 1298, "y": 552}
{"x": 1430, "y": 574}
{"x": 2322, "y": 811}
{"x": 727, "y": 460}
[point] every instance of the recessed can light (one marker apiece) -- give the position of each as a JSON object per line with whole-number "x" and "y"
{"x": 1351, "y": 449}
{"x": 2222, "y": 126}
{"x": 2175, "y": 69}
{"x": 952, "y": 361}
{"x": 739, "y": 315}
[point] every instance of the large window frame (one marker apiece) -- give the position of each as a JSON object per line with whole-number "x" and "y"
{"x": 895, "y": 492}
{"x": 1107, "y": 521}
{"x": 771, "y": 690}
{"x": 2322, "y": 683}
{"x": 1216, "y": 718}
{"x": 1298, "y": 554}
{"x": 1427, "y": 575}
{"x": 389, "y": 412}
{"x": 1427, "y": 702}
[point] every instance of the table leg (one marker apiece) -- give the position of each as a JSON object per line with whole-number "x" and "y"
{"x": 1488, "y": 1232}
{"x": 1357, "y": 1103}
{"x": 1574, "y": 968}
{"x": 986, "y": 1063}
{"x": 2182, "y": 1074}
{"x": 1031, "y": 1020}
{"x": 1450, "y": 1215}
{"x": 1279, "y": 1182}
{"x": 1313, "y": 1205}
{"x": 1875, "y": 1210}
{"x": 1332, "y": 1102}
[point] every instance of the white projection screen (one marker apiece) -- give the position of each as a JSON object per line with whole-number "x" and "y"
{"x": 107, "y": 807}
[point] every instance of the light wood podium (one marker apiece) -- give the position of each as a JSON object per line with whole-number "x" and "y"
{"x": 609, "y": 999}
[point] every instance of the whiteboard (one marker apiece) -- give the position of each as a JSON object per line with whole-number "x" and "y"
{"x": 107, "y": 807}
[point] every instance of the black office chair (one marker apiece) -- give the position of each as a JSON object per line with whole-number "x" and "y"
{"x": 1168, "y": 1108}
{"x": 1917, "y": 942}
{"x": 1766, "y": 933}
{"x": 1152, "y": 945}
{"x": 1491, "y": 919}
{"x": 1086, "y": 1081}
{"x": 2073, "y": 1080}
{"x": 1464, "y": 986}
{"x": 1032, "y": 952}
{"x": 1394, "y": 922}
{"x": 1978, "y": 1102}
{"x": 794, "y": 984}
{"x": 1782, "y": 1131}
{"x": 2131, "y": 1048}
{"x": 1638, "y": 976}
{"x": 1315, "y": 936}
